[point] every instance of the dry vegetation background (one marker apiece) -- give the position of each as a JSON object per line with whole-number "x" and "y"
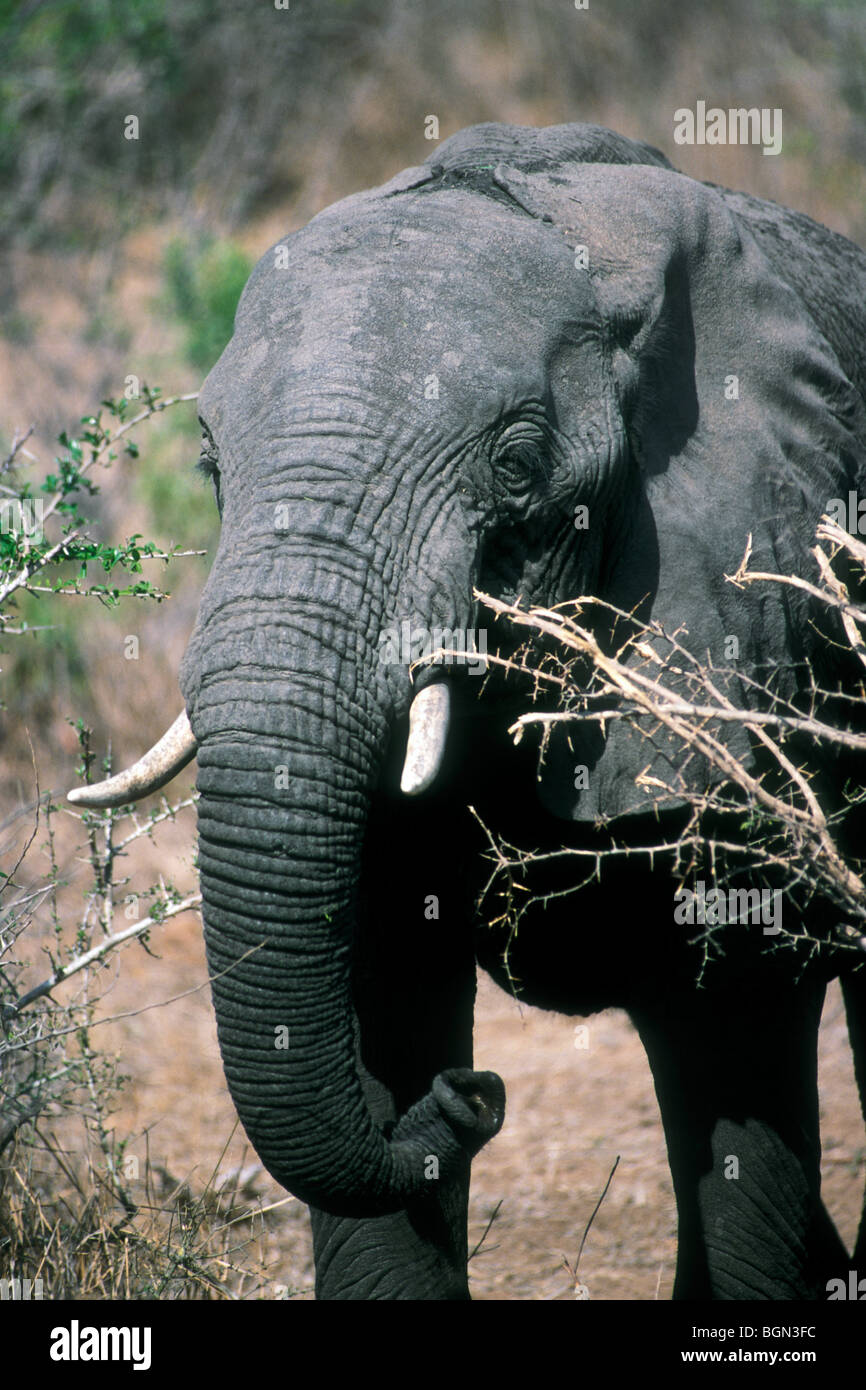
{"x": 126, "y": 257}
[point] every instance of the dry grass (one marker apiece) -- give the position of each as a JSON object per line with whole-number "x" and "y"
{"x": 68, "y": 1222}
{"x": 84, "y": 1206}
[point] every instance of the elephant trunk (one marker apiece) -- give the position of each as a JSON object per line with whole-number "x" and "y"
{"x": 281, "y": 823}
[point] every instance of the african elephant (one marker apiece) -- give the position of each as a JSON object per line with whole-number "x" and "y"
{"x": 423, "y": 386}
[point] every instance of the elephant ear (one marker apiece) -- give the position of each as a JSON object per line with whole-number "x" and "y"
{"x": 740, "y": 421}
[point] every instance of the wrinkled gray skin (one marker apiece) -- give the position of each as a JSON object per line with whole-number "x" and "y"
{"x": 558, "y": 386}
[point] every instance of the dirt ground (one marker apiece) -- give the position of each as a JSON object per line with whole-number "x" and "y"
{"x": 571, "y": 1111}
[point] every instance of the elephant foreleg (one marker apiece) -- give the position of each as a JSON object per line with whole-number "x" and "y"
{"x": 414, "y": 993}
{"x": 736, "y": 1079}
{"x": 419, "y": 1252}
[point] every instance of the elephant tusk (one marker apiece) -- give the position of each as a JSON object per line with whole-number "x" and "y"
{"x": 166, "y": 758}
{"x": 428, "y": 729}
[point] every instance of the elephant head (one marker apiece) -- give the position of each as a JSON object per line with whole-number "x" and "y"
{"x": 426, "y": 387}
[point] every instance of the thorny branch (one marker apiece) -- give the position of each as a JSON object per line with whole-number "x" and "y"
{"x": 640, "y": 679}
{"x": 99, "y": 952}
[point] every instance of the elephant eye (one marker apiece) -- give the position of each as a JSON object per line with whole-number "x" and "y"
{"x": 208, "y": 462}
{"x": 520, "y": 462}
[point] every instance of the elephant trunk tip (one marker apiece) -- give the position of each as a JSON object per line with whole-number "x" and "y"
{"x": 463, "y": 1110}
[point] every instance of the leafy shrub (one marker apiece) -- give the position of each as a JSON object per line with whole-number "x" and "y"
{"x": 81, "y": 1216}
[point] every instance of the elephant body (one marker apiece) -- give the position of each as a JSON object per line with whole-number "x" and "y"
{"x": 424, "y": 386}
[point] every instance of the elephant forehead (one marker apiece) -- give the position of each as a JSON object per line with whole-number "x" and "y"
{"x": 449, "y": 291}
{"x": 448, "y": 264}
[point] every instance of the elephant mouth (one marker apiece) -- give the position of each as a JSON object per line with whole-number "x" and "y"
{"x": 429, "y": 718}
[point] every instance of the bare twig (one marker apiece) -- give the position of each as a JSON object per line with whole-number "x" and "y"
{"x": 595, "y": 1211}
{"x": 477, "y": 1250}
{"x": 98, "y": 952}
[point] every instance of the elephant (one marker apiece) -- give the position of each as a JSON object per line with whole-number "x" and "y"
{"x": 424, "y": 386}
